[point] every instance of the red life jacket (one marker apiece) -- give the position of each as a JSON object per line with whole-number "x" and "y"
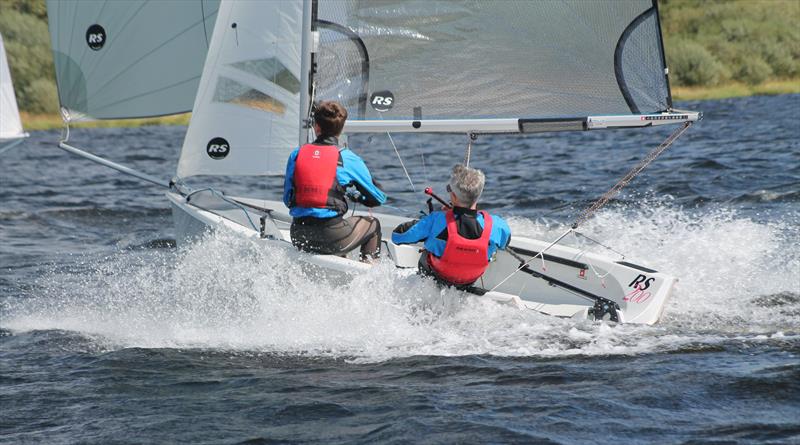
{"x": 464, "y": 260}
{"x": 315, "y": 184}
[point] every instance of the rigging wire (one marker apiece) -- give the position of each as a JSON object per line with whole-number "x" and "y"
{"x": 603, "y": 200}
{"x": 613, "y": 191}
{"x": 400, "y": 158}
{"x": 470, "y": 137}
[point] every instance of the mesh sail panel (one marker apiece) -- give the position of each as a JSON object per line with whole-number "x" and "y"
{"x": 132, "y": 58}
{"x": 486, "y": 59}
{"x": 643, "y": 91}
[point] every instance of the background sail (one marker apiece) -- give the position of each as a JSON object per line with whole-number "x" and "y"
{"x": 491, "y": 58}
{"x": 132, "y": 58}
{"x": 246, "y": 116}
{"x": 10, "y": 125}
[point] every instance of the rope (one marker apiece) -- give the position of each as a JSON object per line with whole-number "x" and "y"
{"x": 577, "y": 234}
{"x": 603, "y": 200}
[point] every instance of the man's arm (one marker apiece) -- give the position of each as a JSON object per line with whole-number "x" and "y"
{"x": 288, "y": 179}
{"x": 355, "y": 172}
{"x": 501, "y": 233}
{"x": 415, "y": 233}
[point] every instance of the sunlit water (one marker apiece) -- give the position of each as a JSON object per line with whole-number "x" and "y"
{"x": 111, "y": 334}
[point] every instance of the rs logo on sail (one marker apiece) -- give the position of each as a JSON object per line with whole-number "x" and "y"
{"x": 218, "y": 148}
{"x": 95, "y": 37}
{"x": 382, "y": 100}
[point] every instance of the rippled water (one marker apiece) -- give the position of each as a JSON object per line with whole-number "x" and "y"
{"x": 109, "y": 334}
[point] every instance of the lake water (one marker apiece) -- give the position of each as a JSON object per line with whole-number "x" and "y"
{"x": 110, "y": 334}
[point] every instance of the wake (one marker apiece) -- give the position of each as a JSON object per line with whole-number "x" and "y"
{"x": 229, "y": 293}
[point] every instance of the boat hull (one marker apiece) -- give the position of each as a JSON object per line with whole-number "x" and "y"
{"x": 570, "y": 274}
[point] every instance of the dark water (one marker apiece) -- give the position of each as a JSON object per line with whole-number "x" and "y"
{"x": 109, "y": 334}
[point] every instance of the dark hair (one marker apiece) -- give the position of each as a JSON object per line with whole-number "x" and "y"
{"x": 330, "y": 116}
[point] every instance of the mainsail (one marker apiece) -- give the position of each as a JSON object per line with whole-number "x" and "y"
{"x": 495, "y": 65}
{"x": 132, "y": 58}
{"x": 10, "y": 125}
{"x": 246, "y": 116}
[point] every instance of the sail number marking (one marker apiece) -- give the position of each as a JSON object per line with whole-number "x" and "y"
{"x": 639, "y": 293}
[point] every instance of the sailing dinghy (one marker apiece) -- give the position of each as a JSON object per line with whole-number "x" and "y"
{"x": 11, "y": 133}
{"x": 419, "y": 66}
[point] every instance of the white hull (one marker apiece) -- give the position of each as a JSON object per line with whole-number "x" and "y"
{"x": 587, "y": 273}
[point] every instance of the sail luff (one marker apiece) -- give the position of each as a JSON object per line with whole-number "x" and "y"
{"x": 305, "y": 70}
{"x": 10, "y": 123}
{"x": 663, "y": 54}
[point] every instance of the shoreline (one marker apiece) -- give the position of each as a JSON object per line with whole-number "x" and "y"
{"x": 737, "y": 89}
{"x": 35, "y": 122}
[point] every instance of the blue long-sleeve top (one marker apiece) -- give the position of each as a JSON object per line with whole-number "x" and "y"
{"x": 352, "y": 172}
{"x": 432, "y": 227}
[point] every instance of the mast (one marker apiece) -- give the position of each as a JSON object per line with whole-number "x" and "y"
{"x": 305, "y": 72}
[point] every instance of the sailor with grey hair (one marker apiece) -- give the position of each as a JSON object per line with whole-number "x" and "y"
{"x": 466, "y": 184}
{"x": 459, "y": 240}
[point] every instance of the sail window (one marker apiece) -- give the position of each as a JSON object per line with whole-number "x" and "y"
{"x": 233, "y": 92}
{"x": 273, "y": 70}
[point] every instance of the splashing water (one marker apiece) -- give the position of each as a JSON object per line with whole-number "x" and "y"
{"x": 226, "y": 292}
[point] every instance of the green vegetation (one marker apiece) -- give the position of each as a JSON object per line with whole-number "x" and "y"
{"x": 48, "y": 121}
{"x": 712, "y": 42}
{"x": 23, "y": 24}
{"x": 715, "y": 48}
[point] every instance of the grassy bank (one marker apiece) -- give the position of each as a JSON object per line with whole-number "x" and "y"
{"x": 737, "y": 89}
{"x": 32, "y": 121}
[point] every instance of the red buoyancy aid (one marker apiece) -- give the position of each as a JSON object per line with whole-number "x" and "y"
{"x": 314, "y": 179}
{"x": 464, "y": 260}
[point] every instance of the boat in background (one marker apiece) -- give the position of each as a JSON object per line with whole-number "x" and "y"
{"x": 11, "y": 132}
{"x": 420, "y": 66}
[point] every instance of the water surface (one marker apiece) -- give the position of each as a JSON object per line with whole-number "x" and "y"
{"x": 109, "y": 334}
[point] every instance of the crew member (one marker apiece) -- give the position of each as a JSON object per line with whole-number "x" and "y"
{"x": 319, "y": 176}
{"x": 460, "y": 241}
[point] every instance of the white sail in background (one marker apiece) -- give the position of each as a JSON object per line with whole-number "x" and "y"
{"x": 10, "y": 124}
{"x": 245, "y": 119}
{"x": 129, "y": 58}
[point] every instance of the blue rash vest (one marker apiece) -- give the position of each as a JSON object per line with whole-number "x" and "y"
{"x": 352, "y": 172}
{"x": 430, "y": 229}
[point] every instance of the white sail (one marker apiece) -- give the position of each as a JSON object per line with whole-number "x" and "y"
{"x": 10, "y": 125}
{"x": 129, "y": 58}
{"x": 245, "y": 119}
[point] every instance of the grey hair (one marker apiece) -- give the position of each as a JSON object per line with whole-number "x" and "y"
{"x": 467, "y": 184}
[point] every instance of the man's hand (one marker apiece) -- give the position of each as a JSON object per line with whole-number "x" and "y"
{"x": 402, "y": 228}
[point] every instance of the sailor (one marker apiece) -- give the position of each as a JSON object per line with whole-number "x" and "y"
{"x": 319, "y": 176}
{"x": 459, "y": 241}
